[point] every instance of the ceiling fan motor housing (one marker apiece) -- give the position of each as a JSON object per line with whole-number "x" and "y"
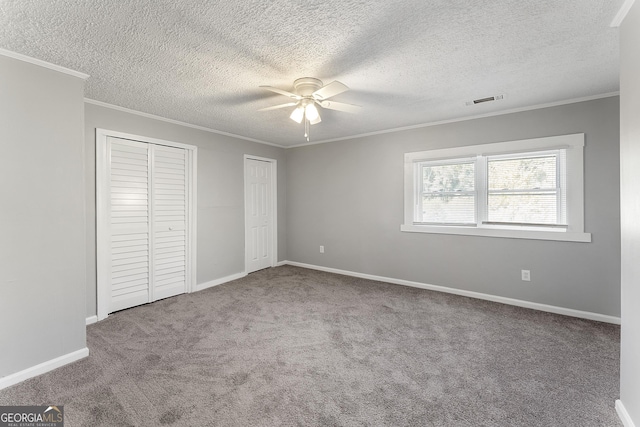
{"x": 305, "y": 86}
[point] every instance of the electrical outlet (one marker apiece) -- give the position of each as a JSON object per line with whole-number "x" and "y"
{"x": 526, "y": 275}
{"x": 321, "y": 249}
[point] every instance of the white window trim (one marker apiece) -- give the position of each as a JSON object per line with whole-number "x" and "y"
{"x": 574, "y": 146}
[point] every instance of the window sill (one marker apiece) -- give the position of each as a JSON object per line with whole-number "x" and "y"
{"x": 560, "y": 235}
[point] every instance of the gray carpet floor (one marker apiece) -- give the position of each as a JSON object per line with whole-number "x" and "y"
{"x": 294, "y": 347}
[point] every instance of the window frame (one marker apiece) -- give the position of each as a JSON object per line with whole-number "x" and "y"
{"x": 573, "y": 145}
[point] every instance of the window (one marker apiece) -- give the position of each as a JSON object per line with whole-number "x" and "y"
{"x": 448, "y": 193}
{"x": 521, "y": 189}
{"x": 527, "y": 189}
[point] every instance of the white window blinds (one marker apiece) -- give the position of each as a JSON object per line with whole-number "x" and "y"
{"x": 448, "y": 194}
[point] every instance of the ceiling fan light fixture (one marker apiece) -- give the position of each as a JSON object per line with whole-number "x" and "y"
{"x": 297, "y": 114}
{"x": 312, "y": 114}
{"x": 316, "y": 121}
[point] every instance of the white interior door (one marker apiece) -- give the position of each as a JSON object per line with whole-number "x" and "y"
{"x": 145, "y": 201}
{"x": 259, "y": 214}
{"x": 169, "y": 226}
{"x": 129, "y": 225}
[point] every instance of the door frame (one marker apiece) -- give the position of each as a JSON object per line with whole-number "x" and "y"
{"x": 274, "y": 208}
{"x": 103, "y": 265}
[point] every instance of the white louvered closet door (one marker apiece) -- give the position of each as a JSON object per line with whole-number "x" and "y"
{"x": 148, "y": 222}
{"x": 129, "y": 225}
{"x": 169, "y": 210}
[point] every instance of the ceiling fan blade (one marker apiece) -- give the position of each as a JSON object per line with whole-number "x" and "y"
{"x": 281, "y": 92}
{"x": 275, "y": 107}
{"x": 340, "y": 106}
{"x": 332, "y": 89}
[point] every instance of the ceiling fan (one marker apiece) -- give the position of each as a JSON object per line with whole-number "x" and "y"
{"x": 307, "y": 93}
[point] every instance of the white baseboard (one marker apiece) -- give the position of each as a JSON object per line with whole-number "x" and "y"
{"x": 624, "y": 415}
{"x": 216, "y": 282}
{"x": 510, "y": 301}
{"x": 199, "y": 287}
{"x": 42, "y": 368}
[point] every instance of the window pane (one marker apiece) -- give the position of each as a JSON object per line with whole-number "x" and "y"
{"x": 533, "y": 208}
{"x": 448, "y": 178}
{"x": 523, "y": 173}
{"x": 450, "y": 209}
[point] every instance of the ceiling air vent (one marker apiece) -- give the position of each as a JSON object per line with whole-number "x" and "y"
{"x": 487, "y": 99}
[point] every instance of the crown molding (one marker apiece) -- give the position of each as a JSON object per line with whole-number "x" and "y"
{"x": 381, "y": 132}
{"x": 463, "y": 119}
{"x": 177, "y": 122}
{"x": 622, "y": 13}
{"x": 44, "y": 64}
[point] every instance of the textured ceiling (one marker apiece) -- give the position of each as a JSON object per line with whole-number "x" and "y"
{"x": 407, "y": 62}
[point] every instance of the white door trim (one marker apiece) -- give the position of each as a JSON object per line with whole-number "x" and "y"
{"x": 274, "y": 208}
{"x": 102, "y": 209}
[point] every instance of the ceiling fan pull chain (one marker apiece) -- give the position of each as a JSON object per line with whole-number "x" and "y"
{"x": 306, "y": 129}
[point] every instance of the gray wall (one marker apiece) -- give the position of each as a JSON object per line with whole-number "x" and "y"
{"x": 630, "y": 218}
{"x": 42, "y": 261}
{"x": 220, "y": 214}
{"x": 348, "y": 196}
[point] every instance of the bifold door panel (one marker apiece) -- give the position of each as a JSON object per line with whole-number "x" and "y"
{"x": 129, "y": 193}
{"x": 169, "y": 222}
